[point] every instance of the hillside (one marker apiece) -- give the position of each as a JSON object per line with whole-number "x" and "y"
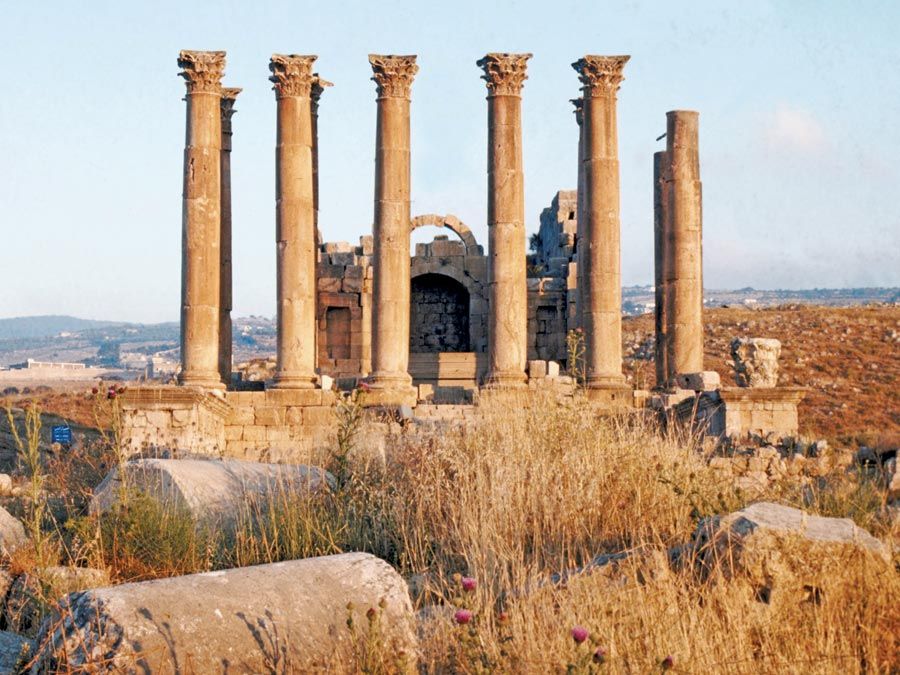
{"x": 24, "y": 327}
{"x": 849, "y": 358}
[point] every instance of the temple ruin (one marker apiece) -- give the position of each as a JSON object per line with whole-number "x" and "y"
{"x": 454, "y": 321}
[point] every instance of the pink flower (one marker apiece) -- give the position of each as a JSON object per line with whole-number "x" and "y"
{"x": 462, "y": 616}
{"x": 469, "y": 584}
{"x": 579, "y": 634}
{"x": 364, "y": 386}
{"x": 600, "y": 656}
{"x": 668, "y": 663}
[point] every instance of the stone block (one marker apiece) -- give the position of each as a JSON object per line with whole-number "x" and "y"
{"x": 707, "y": 380}
{"x": 294, "y": 397}
{"x": 318, "y": 416}
{"x": 537, "y": 369}
{"x": 12, "y": 533}
{"x": 329, "y": 284}
{"x": 254, "y": 433}
{"x": 282, "y": 433}
{"x": 337, "y": 247}
{"x": 234, "y": 433}
{"x": 208, "y": 489}
{"x": 343, "y": 259}
{"x": 552, "y": 369}
{"x": 241, "y": 416}
{"x": 270, "y": 416}
{"x": 299, "y": 605}
{"x": 181, "y": 418}
{"x": 15, "y": 651}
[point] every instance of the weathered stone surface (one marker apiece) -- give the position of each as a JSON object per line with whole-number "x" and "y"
{"x": 756, "y": 361}
{"x": 293, "y": 614}
{"x": 15, "y": 651}
{"x": 208, "y": 489}
{"x": 707, "y": 380}
{"x": 12, "y": 533}
{"x": 30, "y": 592}
{"x": 6, "y": 484}
{"x": 781, "y": 550}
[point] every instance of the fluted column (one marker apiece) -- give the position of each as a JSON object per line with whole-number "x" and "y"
{"x": 318, "y": 88}
{"x": 580, "y": 258}
{"x": 229, "y": 95}
{"x": 390, "y": 381}
{"x": 201, "y": 219}
{"x": 684, "y": 314}
{"x": 508, "y": 293}
{"x": 295, "y": 223}
{"x": 601, "y": 77}
{"x": 660, "y": 248}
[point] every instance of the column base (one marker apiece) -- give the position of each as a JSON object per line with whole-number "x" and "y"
{"x": 203, "y": 380}
{"x": 294, "y": 381}
{"x": 390, "y": 389}
{"x": 610, "y": 391}
{"x": 509, "y": 379}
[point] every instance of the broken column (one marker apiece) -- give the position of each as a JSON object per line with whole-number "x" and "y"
{"x": 390, "y": 382}
{"x": 507, "y": 328}
{"x": 580, "y": 217}
{"x": 601, "y": 77}
{"x": 660, "y": 234}
{"x": 684, "y": 255}
{"x": 201, "y": 219}
{"x": 295, "y": 222}
{"x": 756, "y": 361}
{"x": 307, "y": 615}
{"x": 229, "y": 95}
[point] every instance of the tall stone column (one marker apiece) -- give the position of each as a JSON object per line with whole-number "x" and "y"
{"x": 295, "y": 222}
{"x": 660, "y": 248}
{"x": 684, "y": 280}
{"x": 229, "y": 95}
{"x": 201, "y": 219}
{"x": 318, "y": 88}
{"x": 601, "y": 77}
{"x": 390, "y": 381}
{"x": 580, "y": 258}
{"x": 508, "y": 293}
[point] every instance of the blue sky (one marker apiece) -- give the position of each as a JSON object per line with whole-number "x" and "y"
{"x": 798, "y": 110}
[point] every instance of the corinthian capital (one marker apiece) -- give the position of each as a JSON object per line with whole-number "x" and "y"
{"x": 292, "y": 74}
{"x": 318, "y": 87}
{"x": 202, "y": 71}
{"x": 393, "y": 74}
{"x": 226, "y": 105}
{"x": 601, "y": 75}
{"x": 504, "y": 73}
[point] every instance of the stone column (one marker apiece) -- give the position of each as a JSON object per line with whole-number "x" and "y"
{"x": 580, "y": 260}
{"x": 295, "y": 222}
{"x": 318, "y": 87}
{"x": 601, "y": 77}
{"x": 201, "y": 219}
{"x": 660, "y": 234}
{"x": 684, "y": 264}
{"x": 390, "y": 381}
{"x": 225, "y": 275}
{"x": 508, "y": 293}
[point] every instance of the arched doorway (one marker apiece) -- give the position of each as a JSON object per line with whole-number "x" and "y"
{"x": 439, "y": 315}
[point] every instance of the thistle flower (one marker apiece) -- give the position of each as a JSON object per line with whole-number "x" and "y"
{"x": 462, "y": 616}
{"x": 668, "y": 663}
{"x": 599, "y": 656}
{"x": 469, "y": 584}
{"x": 579, "y": 634}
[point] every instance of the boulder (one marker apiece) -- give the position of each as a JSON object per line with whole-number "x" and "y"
{"x": 15, "y": 650}
{"x": 285, "y": 617}
{"x": 208, "y": 489}
{"x": 12, "y": 533}
{"x": 756, "y": 361}
{"x": 783, "y": 551}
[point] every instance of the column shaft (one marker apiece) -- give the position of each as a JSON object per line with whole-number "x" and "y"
{"x": 684, "y": 314}
{"x": 508, "y": 292}
{"x": 391, "y": 282}
{"x": 225, "y": 275}
{"x": 295, "y": 223}
{"x": 580, "y": 258}
{"x": 201, "y": 220}
{"x": 601, "y": 77}
{"x": 660, "y": 233}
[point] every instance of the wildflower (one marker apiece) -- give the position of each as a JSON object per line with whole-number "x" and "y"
{"x": 95, "y": 391}
{"x": 364, "y": 386}
{"x": 121, "y": 390}
{"x": 371, "y": 613}
{"x": 468, "y": 584}
{"x": 579, "y": 634}
{"x": 668, "y": 663}
{"x": 462, "y": 616}
{"x": 503, "y": 618}
{"x": 111, "y": 394}
{"x": 600, "y": 656}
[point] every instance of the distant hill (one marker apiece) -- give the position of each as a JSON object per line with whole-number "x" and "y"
{"x": 48, "y": 326}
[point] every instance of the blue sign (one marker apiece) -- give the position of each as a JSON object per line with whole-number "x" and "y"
{"x": 62, "y": 435}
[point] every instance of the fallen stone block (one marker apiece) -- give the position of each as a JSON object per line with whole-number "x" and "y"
{"x": 782, "y": 551}
{"x": 537, "y": 369}
{"x": 12, "y": 533}
{"x": 289, "y": 616}
{"x": 708, "y": 380}
{"x": 208, "y": 489}
{"x": 15, "y": 652}
{"x": 29, "y": 592}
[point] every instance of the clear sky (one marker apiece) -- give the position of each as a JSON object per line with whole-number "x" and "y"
{"x": 799, "y": 133}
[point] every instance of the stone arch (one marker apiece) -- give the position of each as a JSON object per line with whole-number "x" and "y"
{"x": 453, "y": 223}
